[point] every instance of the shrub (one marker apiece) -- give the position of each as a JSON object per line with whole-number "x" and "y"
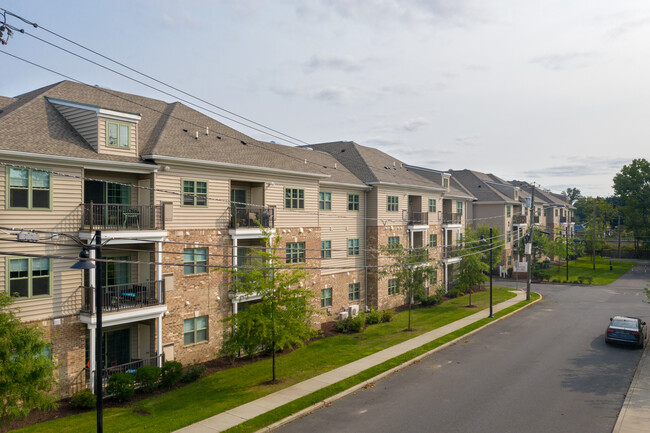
{"x": 193, "y": 372}
{"x": 351, "y": 324}
{"x": 373, "y": 317}
{"x": 172, "y": 372}
{"x": 121, "y": 386}
{"x": 432, "y": 300}
{"x": 510, "y": 272}
{"x": 454, "y": 293}
{"x": 148, "y": 377}
{"x": 84, "y": 399}
{"x": 387, "y": 315}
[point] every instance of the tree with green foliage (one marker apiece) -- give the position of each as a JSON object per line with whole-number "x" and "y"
{"x": 498, "y": 244}
{"x": 26, "y": 371}
{"x": 281, "y": 315}
{"x": 632, "y": 186}
{"x": 474, "y": 264}
{"x": 572, "y": 195}
{"x": 540, "y": 247}
{"x": 411, "y": 269}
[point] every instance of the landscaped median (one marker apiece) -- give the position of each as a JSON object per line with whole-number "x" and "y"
{"x": 228, "y": 389}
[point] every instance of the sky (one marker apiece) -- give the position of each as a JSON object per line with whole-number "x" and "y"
{"x": 552, "y": 92}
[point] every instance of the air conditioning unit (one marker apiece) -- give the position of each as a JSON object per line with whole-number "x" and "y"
{"x": 354, "y": 310}
{"x": 343, "y": 315}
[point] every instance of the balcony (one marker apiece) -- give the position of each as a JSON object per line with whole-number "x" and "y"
{"x": 519, "y": 219}
{"x": 451, "y": 251}
{"x": 563, "y": 219}
{"x": 250, "y": 215}
{"x": 121, "y": 217}
{"x": 126, "y": 296}
{"x": 129, "y": 367}
{"x": 452, "y": 218}
{"x": 418, "y": 218}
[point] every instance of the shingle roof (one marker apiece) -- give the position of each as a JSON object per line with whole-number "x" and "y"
{"x": 456, "y": 189}
{"x": 485, "y": 187}
{"x": 372, "y": 165}
{"x": 32, "y": 124}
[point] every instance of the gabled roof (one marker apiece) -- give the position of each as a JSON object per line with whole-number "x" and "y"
{"x": 485, "y": 187}
{"x": 456, "y": 189}
{"x": 373, "y": 166}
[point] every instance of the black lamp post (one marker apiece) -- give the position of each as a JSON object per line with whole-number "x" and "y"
{"x": 483, "y": 239}
{"x": 83, "y": 264}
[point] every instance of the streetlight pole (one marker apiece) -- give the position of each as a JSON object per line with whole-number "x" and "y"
{"x": 99, "y": 298}
{"x": 593, "y": 241}
{"x": 530, "y": 253}
{"x": 567, "y": 253}
{"x": 491, "y": 315}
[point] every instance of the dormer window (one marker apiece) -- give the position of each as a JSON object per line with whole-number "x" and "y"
{"x": 445, "y": 183}
{"x": 117, "y": 135}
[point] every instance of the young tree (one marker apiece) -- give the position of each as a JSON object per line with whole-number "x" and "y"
{"x": 26, "y": 372}
{"x": 632, "y": 186}
{"x": 281, "y": 318}
{"x": 473, "y": 266}
{"x": 411, "y": 269}
{"x": 472, "y": 237}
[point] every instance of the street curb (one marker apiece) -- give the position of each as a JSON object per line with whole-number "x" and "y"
{"x": 618, "y": 427}
{"x": 314, "y": 407}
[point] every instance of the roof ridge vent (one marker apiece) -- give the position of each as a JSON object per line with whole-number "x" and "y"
{"x": 196, "y": 135}
{"x": 207, "y": 131}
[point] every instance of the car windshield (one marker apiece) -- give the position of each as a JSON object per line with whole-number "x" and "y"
{"x": 624, "y": 323}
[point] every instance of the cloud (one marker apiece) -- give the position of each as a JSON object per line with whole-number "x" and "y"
{"x": 283, "y": 91}
{"x": 628, "y": 26}
{"x": 414, "y": 124}
{"x": 589, "y": 166}
{"x": 337, "y": 63}
{"x": 333, "y": 94}
{"x": 468, "y": 140}
{"x": 560, "y": 62}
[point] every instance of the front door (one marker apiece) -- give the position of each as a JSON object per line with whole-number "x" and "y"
{"x": 238, "y": 206}
{"x": 117, "y": 347}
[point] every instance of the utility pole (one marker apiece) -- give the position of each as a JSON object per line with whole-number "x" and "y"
{"x": 593, "y": 241}
{"x": 567, "y": 253}
{"x": 530, "y": 253}
{"x": 619, "y": 236}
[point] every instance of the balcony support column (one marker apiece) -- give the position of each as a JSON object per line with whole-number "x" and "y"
{"x": 159, "y": 271}
{"x": 159, "y": 339}
{"x": 92, "y": 279}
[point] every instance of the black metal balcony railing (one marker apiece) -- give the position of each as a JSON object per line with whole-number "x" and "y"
{"x": 129, "y": 367}
{"x": 451, "y": 251}
{"x": 250, "y": 215}
{"x": 126, "y": 296}
{"x": 519, "y": 219}
{"x": 563, "y": 219}
{"x": 418, "y": 218}
{"x": 100, "y": 216}
{"x": 452, "y": 218}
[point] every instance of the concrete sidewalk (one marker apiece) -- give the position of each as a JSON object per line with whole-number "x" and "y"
{"x": 245, "y": 412}
{"x": 635, "y": 413}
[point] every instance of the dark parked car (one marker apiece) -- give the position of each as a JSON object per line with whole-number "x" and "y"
{"x": 626, "y": 330}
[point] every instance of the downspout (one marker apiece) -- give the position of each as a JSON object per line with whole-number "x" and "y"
{"x": 365, "y": 243}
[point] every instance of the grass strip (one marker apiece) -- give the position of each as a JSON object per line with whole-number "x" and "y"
{"x": 582, "y": 269}
{"x": 288, "y": 409}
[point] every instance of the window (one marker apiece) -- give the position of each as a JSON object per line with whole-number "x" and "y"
{"x": 432, "y": 205}
{"x": 509, "y": 235}
{"x": 29, "y": 189}
{"x": 445, "y": 183}
{"x": 353, "y": 201}
{"x": 393, "y": 241}
{"x": 294, "y": 198}
{"x": 555, "y": 211}
{"x": 325, "y": 249}
{"x": 392, "y": 286}
{"x": 195, "y": 193}
{"x": 195, "y": 261}
{"x": 392, "y": 203}
{"x": 433, "y": 280}
{"x": 326, "y": 298}
{"x": 459, "y": 238}
{"x": 29, "y": 278}
{"x": 117, "y": 135}
{"x": 508, "y": 210}
{"x": 353, "y": 247}
{"x": 459, "y": 207}
{"x": 195, "y": 330}
{"x": 509, "y": 260}
{"x": 325, "y": 200}
{"x": 433, "y": 240}
{"x": 296, "y": 252}
{"x": 353, "y": 291}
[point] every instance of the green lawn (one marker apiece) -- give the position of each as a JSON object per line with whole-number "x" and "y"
{"x": 583, "y": 268}
{"x": 231, "y": 388}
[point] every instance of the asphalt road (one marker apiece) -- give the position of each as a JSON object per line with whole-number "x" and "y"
{"x": 545, "y": 369}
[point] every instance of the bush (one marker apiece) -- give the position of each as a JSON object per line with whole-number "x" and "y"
{"x": 121, "y": 386}
{"x": 84, "y": 399}
{"x": 193, "y": 372}
{"x": 373, "y": 317}
{"x": 454, "y": 293}
{"x": 351, "y": 324}
{"x": 387, "y": 315}
{"x": 172, "y": 372}
{"x": 510, "y": 272}
{"x": 148, "y": 377}
{"x": 432, "y": 300}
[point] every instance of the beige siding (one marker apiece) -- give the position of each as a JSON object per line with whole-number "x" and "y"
{"x": 66, "y": 198}
{"x": 338, "y": 225}
{"x": 216, "y": 213}
{"x": 66, "y": 294}
{"x": 392, "y": 218}
{"x": 84, "y": 121}
{"x": 133, "y": 140}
